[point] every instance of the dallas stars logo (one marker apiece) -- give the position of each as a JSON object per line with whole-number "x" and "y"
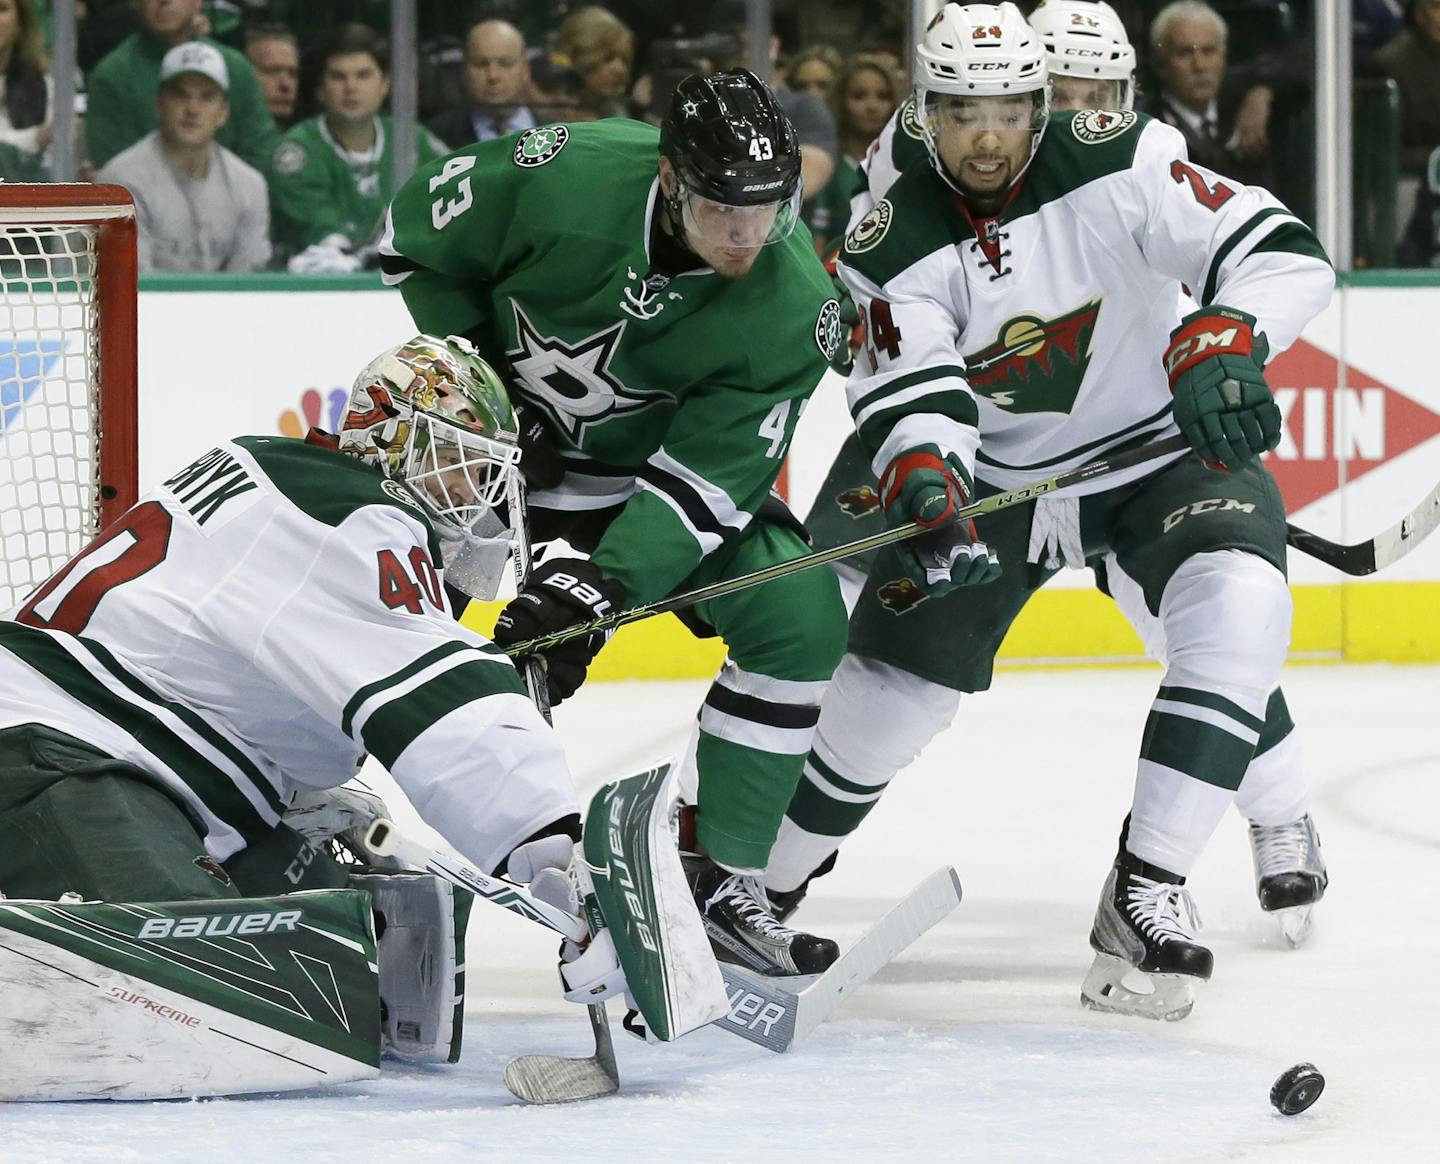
{"x": 691, "y": 109}
{"x": 573, "y": 382}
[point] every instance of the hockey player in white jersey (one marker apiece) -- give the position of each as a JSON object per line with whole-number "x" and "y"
{"x": 1091, "y": 65}
{"x": 1020, "y": 297}
{"x": 235, "y": 645}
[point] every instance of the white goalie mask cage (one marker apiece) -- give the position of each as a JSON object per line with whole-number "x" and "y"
{"x": 979, "y": 51}
{"x": 1086, "y": 39}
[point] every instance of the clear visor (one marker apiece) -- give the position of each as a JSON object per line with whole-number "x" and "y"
{"x": 1001, "y": 113}
{"x": 738, "y": 227}
{"x": 1071, "y": 92}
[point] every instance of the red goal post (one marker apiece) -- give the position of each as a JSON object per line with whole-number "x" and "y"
{"x": 68, "y": 444}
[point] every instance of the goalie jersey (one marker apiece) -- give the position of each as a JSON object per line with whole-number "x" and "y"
{"x": 1043, "y": 326}
{"x": 257, "y": 624}
{"x": 673, "y": 393}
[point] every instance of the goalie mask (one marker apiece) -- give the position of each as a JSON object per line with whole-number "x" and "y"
{"x": 1092, "y": 63}
{"x": 435, "y": 418}
{"x": 982, "y": 97}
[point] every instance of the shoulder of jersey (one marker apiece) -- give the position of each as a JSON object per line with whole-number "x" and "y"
{"x": 916, "y": 217}
{"x": 329, "y": 486}
{"x": 1086, "y": 144}
{"x": 629, "y": 142}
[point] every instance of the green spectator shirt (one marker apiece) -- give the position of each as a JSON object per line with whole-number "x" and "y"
{"x": 18, "y": 166}
{"x": 120, "y": 102}
{"x": 317, "y": 189}
{"x": 674, "y": 394}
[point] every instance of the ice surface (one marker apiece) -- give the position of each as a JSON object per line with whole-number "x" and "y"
{"x": 973, "y": 1045}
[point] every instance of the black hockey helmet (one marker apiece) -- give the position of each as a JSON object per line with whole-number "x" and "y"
{"x": 730, "y": 141}
{"x": 736, "y": 159}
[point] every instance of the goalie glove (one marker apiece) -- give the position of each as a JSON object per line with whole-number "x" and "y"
{"x": 920, "y": 485}
{"x": 1223, "y": 405}
{"x": 559, "y": 594}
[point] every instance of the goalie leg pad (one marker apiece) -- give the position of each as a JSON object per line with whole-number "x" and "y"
{"x": 192, "y": 998}
{"x": 420, "y": 926}
{"x": 640, "y": 894}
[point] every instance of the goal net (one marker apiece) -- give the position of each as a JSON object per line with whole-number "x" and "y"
{"x": 67, "y": 374}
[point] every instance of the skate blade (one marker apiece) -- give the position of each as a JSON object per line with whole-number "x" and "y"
{"x": 1294, "y": 924}
{"x": 1171, "y": 997}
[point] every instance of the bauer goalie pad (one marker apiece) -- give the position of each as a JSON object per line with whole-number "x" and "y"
{"x": 192, "y": 998}
{"x": 642, "y": 897}
{"x": 420, "y": 933}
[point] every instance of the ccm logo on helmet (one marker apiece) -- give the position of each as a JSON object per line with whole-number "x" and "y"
{"x": 220, "y": 925}
{"x": 1197, "y": 344}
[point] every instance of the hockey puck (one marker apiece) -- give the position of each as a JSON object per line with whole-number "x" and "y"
{"x": 1297, "y": 1089}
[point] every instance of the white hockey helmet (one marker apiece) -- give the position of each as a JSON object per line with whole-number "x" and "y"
{"x": 436, "y": 420}
{"x": 1085, "y": 38}
{"x": 980, "y": 50}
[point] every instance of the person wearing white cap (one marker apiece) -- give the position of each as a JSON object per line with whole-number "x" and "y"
{"x": 200, "y": 208}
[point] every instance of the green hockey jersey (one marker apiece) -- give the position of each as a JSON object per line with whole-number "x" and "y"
{"x": 319, "y": 189}
{"x": 676, "y": 394}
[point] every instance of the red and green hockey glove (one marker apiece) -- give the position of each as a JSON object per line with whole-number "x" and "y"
{"x": 921, "y": 485}
{"x": 1215, "y": 363}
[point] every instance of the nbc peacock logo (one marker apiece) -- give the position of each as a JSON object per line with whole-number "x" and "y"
{"x": 316, "y": 411}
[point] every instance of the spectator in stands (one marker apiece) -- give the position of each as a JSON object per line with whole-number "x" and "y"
{"x": 199, "y": 207}
{"x": 330, "y": 176}
{"x": 555, "y": 92}
{"x": 120, "y": 102}
{"x": 497, "y": 79}
{"x": 25, "y": 86}
{"x": 1413, "y": 59}
{"x": 815, "y": 71}
{"x": 274, "y": 52}
{"x": 1224, "y": 119}
{"x": 601, "y": 48}
{"x": 866, "y": 95}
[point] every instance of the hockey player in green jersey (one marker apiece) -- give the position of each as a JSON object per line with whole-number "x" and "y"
{"x": 330, "y": 176}
{"x": 209, "y": 671}
{"x": 662, "y": 327}
{"x": 1022, "y": 298}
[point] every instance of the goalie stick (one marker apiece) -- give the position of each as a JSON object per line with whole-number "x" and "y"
{"x": 778, "y": 1012}
{"x": 533, "y": 1078}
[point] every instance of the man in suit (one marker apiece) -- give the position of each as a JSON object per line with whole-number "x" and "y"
{"x": 497, "y": 79}
{"x": 1223, "y": 116}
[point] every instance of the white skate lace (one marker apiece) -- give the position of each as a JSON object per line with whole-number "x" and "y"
{"x": 1282, "y": 848}
{"x": 1166, "y": 911}
{"x": 753, "y": 905}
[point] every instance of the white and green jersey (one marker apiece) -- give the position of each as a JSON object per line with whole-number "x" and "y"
{"x": 674, "y": 392}
{"x": 259, "y": 623}
{"x": 1030, "y": 342}
{"x": 901, "y": 144}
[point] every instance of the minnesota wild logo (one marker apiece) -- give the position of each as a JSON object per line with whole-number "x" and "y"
{"x": 900, "y": 595}
{"x": 1035, "y": 364}
{"x": 910, "y": 120}
{"x": 537, "y": 146}
{"x": 859, "y": 502}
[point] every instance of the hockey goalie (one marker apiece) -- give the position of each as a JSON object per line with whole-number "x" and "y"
{"x": 179, "y": 705}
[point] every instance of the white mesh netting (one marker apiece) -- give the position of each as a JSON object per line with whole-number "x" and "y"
{"x": 49, "y": 401}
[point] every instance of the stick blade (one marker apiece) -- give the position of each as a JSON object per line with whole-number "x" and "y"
{"x": 556, "y": 1079}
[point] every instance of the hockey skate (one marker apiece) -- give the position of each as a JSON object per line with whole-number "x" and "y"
{"x": 1290, "y": 874}
{"x": 742, "y": 927}
{"x": 1144, "y": 927}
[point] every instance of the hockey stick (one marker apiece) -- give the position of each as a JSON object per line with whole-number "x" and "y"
{"x": 998, "y": 501}
{"x": 777, "y": 1012}
{"x": 556, "y": 1078}
{"x": 1384, "y": 549}
{"x": 533, "y": 1078}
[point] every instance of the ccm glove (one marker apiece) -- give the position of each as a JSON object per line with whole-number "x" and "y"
{"x": 1215, "y": 363}
{"x": 559, "y": 594}
{"x": 921, "y": 485}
